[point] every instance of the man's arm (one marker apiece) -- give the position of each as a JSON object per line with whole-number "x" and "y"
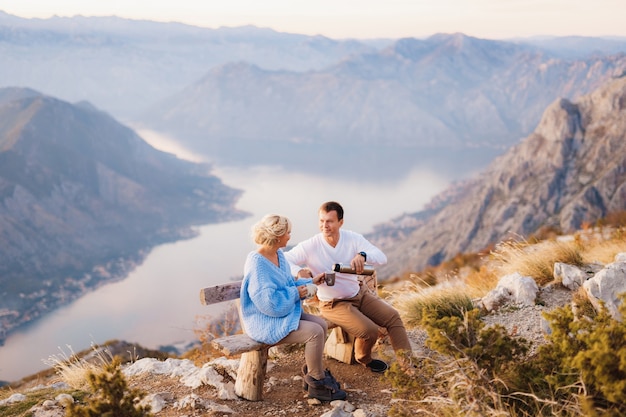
{"x": 296, "y": 257}
{"x": 373, "y": 255}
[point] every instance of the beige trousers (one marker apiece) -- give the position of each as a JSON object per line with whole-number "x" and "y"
{"x": 361, "y": 316}
{"x": 312, "y": 332}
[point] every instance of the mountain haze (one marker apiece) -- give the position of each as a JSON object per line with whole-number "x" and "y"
{"x": 123, "y": 66}
{"x": 82, "y": 198}
{"x": 448, "y": 92}
{"x": 569, "y": 171}
{"x": 234, "y": 94}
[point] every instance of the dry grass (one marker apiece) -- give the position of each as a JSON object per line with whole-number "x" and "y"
{"x": 480, "y": 282}
{"x": 447, "y": 299}
{"x": 536, "y": 260}
{"x": 603, "y": 251}
{"x": 210, "y": 327}
{"x": 73, "y": 370}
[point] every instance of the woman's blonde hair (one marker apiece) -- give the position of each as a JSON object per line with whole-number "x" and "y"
{"x": 270, "y": 229}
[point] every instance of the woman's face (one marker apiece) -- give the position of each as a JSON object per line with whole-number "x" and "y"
{"x": 282, "y": 241}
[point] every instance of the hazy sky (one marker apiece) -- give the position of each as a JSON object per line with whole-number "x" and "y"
{"x": 493, "y": 19}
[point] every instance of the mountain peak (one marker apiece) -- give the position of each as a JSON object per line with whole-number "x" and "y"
{"x": 567, "y": 172}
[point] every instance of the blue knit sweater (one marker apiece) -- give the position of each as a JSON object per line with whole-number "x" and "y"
{"x": 270, "y": 302}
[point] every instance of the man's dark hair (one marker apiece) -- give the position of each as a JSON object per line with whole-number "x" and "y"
{"x": 329, "y": 206}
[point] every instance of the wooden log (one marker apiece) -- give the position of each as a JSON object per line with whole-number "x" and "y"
{"x": 220, "y": 293}
{"x": 236, "y": 344}
{"x": 340, "y": 346}
{"x": 251, "y": 375}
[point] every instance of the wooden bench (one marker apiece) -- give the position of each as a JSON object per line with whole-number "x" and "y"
{"x": 253, "y": 363}
{"x": 254, "y": 355}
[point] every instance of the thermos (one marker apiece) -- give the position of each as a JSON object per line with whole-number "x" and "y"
{"x": 347, "y": 269}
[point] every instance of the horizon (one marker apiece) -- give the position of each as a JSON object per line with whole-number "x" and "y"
{"x": 365, "y": 19}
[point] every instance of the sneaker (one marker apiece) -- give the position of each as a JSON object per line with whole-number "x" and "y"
{"x": 377, "y": 365}
{"x": 325, "y": 389}
{"x": 327, "y": 374}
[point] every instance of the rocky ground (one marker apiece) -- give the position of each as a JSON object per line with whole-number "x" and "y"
{"x": 369, "y": 394}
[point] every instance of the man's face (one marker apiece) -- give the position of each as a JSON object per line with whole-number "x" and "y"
{"x": 329, "y": 223}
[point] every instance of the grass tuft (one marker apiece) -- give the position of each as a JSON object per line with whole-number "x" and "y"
{"x": 74, "y": 370}
{"x": 536, "y": 260}
{"x": 446, "y": 299}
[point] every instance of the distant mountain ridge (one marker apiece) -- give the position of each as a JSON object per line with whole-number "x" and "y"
{"x": 569, "y": 171}
{"x": 82, "y": 198}
{"x": 446, "y": 92}
{"x": 123, "y": 66}
{"x": 233, "y": 94}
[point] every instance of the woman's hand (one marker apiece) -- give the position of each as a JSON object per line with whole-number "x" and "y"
{"x": 302, "y": 290}
{"x": 306, "y": 291}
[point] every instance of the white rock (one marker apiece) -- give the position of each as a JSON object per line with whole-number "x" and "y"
{"x": 15, "y": 398}
{"x": 524, "y": 289}
{"x": 157, "y": 402}
{"x": 570, "y": 276}
{"x": 187, "y": 373}
{"x": 64, "y": 399}
{"x": 606, "y": 285}
{"x": 48, "y": 404}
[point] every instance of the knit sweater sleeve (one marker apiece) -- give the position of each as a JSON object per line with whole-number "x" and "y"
{"x": 267, "y": 293}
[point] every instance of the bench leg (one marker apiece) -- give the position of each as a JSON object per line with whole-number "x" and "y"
{"x": 251, "y": 375}
{"x": 340, "y": 346}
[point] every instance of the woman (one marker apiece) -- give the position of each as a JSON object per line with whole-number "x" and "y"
{"x": 271, "y": 305}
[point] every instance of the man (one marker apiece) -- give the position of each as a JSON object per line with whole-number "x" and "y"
{"x": 348, "y": 303}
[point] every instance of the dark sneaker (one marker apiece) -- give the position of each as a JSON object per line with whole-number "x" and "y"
{"x": 327, "y": 374}
{"x": 326, "y": 389}
{"x": 377, "y": 365}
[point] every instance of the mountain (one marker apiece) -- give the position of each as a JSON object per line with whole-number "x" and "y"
{"x": 568, "y": 172}
{"x": 236, "y": 94}
{"x": 82, "y": 198}
{"x": 449, "y": 92}
{"x": 572, "y": 47}
{"x": 123, "y": 66}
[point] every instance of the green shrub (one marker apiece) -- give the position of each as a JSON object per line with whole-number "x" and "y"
{"x": 468, "y": 374}
{"x": 585, "y": 359}
{"x": 468, "y": 337}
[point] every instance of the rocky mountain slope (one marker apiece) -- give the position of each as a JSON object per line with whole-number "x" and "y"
{"x": 569, "y": 171}
{"x": 82, "y": 197}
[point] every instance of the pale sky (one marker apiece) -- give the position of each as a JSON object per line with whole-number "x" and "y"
{"x": 491, "y": 19}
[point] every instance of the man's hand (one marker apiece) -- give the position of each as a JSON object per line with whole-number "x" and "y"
{"x": 318, "y": 279}
{"x": 358, "y": 263}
